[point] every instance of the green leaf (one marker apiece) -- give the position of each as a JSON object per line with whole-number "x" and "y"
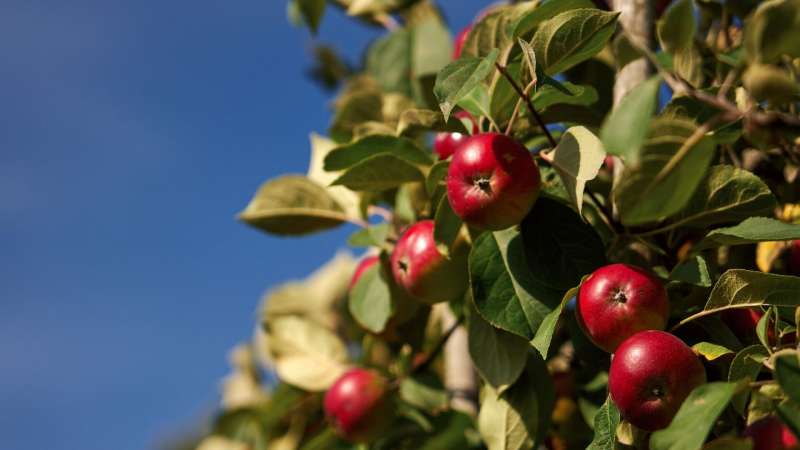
{"x": 695, "y": 271}
{"x": 787, "y": 371}
{"x": 672, "y": 164}
{"x": 686, "y": 106}
{"x": 374, "y": 236}
{"x": 712, "y": 351}
{"x": 624, "y": 130}
{"x": 424, "y": 391}
{"x": 752, "y": 230}
{"x": 567, "y": 93}
{"x": 695, "y": 418}
{"x": 624, "y": 52}
{"x": 790, "y": 416}
{"x": 498, "y": 355}
{"x": 292, "y": 205}
{"x": 518, "y": 418}
{"x": 726, "y": 194}
{"x": 503, "y": 290}
{"x": 606, "y": 422}
{"x": 739, "y": 288}
{"x": 572, "y": 37}
{"x": 459, "y": 77}
{"x": 312, "y": 11}
{"x": 353, "y": 110}
{"x": 446, "y": 226}
{"x": 745, "y": 367}
{"x": 768, "y": 83}
{"x": 676, "y": 27}
{"x": 559, "y": 247}
{"x": 476, "y": 102}
{"x": 577, "y": 158}
{"x": 435, "y": 174}
{"x": 378, "y": 173}
{"x": 348, "y": 155}
{"x": 416, "y": 121}
{"x": 388, "y": 61}
{"x": 773, "y": 30}
{"x": 347, "y": 199}
{"x": 689, "y": 65}
{"x": 762, "y": 329}
{"x": 541, "y": 341}
{"x": 490, "y": 31}
{"x": 528, "y": 21}
{"x": 370, "y": 301}
{"x": 305, "y": 354}
{"x": 530, "y": 58}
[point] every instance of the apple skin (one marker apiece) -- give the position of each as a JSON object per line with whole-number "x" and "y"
{"x": 359, "y": 407}
{"x": 618, "y": 301}
{"x": 423, "y": 272}
{"x": 770, "y": 434}
{"x": 362, "y": 267}
{"x": 492, "y": 182}
{"x": 651, "y": 375}
{"x": 458, "y": 42}
{"x": 445, "y": 144}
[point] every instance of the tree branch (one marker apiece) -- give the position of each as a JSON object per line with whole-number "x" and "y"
{"x": 527, "y": 99}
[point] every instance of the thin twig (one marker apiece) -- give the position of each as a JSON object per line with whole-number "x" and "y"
{"x": 380, "y": 211}
{"x": 756, "y": 384}
{"x": 513, "y": 118}
{"x": 439, "y": 346}
{"x": 527, "y": 99}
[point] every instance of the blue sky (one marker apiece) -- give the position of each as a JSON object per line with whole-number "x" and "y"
{"x": 131, "y": 132}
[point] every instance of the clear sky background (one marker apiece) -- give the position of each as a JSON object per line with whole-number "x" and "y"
{"x": 131, "y": 132}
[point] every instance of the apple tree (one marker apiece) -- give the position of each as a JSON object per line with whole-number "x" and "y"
{"x": 579, "y": 226}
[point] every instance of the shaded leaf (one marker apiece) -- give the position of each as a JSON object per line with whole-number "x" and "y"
{"x": 476, "y": 102}
{"x": 348, "y": 155}
{"x": 370, "y": 301}
{"x": 528, "y": 21}
{"x": 787, "y": 371}
{"x": 378, "y": 173}
{"x": 672, "y": 164}
{"x": 424, "y": 391}
{"x": 773, "y": 30}
{"x": 292, "y": 205}
{"x": 503, "y": 290}
{"x": 541, "y": 341}
{"x": 739, "y": 288}
{"x": 745, "y": 367}
{"x": 446, "y": 227}
{"x": 312, "y": 11}
{"x": 624, "y": 130}
{"x": 750, "y": 231}
{"x": 726, "y": 194}
{"x": 498, "y": 355}
{"x": 459, "y": 77}
{"x": 577, "y": 158}
{"x": 416, "y": 121}
{"x": 373, "y": 236}
{"x": 676, "y": 27}
{"x": 567, "y": 93}
{"x": 572, "y": 37}
{"x": 435, "y": 174}
{"x": 694, "y": 271}
{"x": 353, "y": 110}
{"x": 518, "y": 418}
{"x": 559, "y": 248}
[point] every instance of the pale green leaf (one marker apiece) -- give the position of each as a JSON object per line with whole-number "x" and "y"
{"x": 348, "y": 155}
{"x": 528, "y": 21}
{"x": 446, "y": 227}
{"x": 577, "y": 158}
{"x": 379, "y": 172}
{"x": 752, "y": 230}
{"x": 370, "y": 301}
{"x": 712, "y": 351}
{"x": 625, "y": 129}
{"x": 459, "y": 77}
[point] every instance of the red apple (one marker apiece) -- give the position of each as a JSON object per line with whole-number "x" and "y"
{"x": 423, "y": 272}
{"x": 445, "y": 144}
{"x": 794, "y": 264}
{"x": 618, "y": 301}
{"x": 651, "y": 375}
{"x": 359, "y": 407}
{"x": 492, "y": 182}
{"x": 458, "y": 42}
{"x": 363, "y": 266}
{"x": 770, "y": 434}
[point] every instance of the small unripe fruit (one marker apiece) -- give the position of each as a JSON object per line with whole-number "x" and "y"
{"x": 651, "y": 375}
{"x": 359, "y": 407}
{"x": 492, "y": 182}
{"x": 423, "y": 272}
{"x": 445, "y": 144}
{"x": 618, "y": 301}
{"x": 458, "y": 42}
{"x": 770, "y": 434}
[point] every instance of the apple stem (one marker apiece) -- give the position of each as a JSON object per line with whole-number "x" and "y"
{"x": 527, "y": 99}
